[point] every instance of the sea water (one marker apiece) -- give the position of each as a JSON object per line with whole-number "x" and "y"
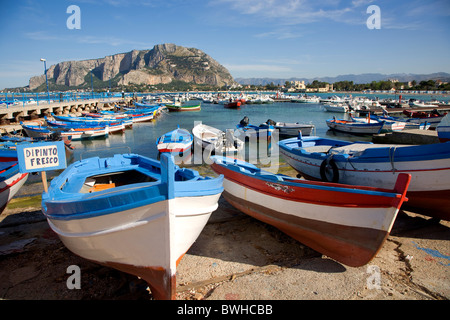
{"x": 141, "y": 139}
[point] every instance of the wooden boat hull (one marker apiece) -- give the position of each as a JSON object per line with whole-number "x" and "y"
{"x": 347, "y": 224}
{"x": 354, "y": 127}
{"x": 377, "y": 166}
{"x": 148, "y": 241}
{"x": 443, "y": 129}
{"x": 176, "y": 108}
{"x": 292, "y": 129}
{"x": 142, "y": 228}
{"x": 69, "y": 134}
{"x": 443, "y": 133}
{"x": 215, "y": 140}
{"x": 11, "y": 180}
{"x": 176, "y": 141}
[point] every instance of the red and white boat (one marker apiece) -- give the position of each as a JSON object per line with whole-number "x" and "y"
{"x": 346, "y": 223}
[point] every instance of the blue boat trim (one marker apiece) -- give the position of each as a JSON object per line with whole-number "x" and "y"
{"x": 64, "y": 201}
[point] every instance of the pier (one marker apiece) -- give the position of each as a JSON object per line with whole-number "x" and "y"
{"x": 17, "y": 113}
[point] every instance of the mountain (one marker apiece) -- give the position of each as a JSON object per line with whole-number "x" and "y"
{"x": 360, "y": 78}
{"x": 162, "y": 64}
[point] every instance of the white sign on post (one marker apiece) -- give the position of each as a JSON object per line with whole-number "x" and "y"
{"x": 41, "y": 156}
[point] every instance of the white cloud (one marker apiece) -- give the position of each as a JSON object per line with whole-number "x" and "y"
{"x": 293, "y": 11}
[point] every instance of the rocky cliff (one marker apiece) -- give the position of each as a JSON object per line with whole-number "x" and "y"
{"x": 162, "y": 64}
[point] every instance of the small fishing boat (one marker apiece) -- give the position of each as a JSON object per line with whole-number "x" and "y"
{"x": 443, "y": 129}
{"x": 141, "y": 115}
{"x": 216, "y": 140}
{"x": 389, "y": 124}
{"x": 419, "y": 117}
{"x": 250, "y": 131}
{"x": 355, "y": 126}
{"x": 113, "y": 127}
{"x": 337, "y": 107}
{"x": 346, "y": 223}
{"x": 36, "y": 131}
{"x": 178, "y": 140}
{"x": 11, "y": 180}
{"x": 183, "y": 107}
{"x": 132, "y": 213}
{"x": 290, "y": 129}
{"x": 233, "y": 104}
{"x": 377, "y": 165}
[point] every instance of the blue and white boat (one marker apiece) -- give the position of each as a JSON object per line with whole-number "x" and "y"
{"x": 443, "y": 129}
{"x": 11, "y": 180}
{"x": 132, "y": 213}
{"x": 377, "y": 165}
{"x": 117, "y": 126}
{"x": 38, "y": 131}
{"x": 354, "y": 126}
{"x": 175, "y": 141}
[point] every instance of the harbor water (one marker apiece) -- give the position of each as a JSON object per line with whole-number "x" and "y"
{"x": 141, "y": 138}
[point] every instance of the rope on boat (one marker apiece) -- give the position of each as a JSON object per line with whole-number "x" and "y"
{"x": 391, "y": 157}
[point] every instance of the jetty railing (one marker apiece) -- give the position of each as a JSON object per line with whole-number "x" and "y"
{"x": 39, "y": 98}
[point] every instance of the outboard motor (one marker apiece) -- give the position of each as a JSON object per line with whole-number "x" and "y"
{"x": 245, "y": 121}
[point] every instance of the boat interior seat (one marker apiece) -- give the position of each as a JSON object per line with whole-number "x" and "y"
{"x": 318, "y": 149}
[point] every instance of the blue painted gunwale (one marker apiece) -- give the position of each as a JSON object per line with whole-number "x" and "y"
{"x": 177, "y": 135}
{"x": 63, "y": 201}
{"x": 370, "y": 155}
{"x": 9, "y": 165}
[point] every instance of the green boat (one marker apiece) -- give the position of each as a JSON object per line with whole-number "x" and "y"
{"x": 176, "y": 107}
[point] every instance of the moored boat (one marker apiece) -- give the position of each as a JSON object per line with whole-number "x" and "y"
{"x": 215, "y": 140}
{"x": 289, "y": 128}
{"x": 354, "y": 126}
{"x": 38, "y": 131}
{"x": 132, "y": 213}
{"x": 433, "y": 118}
{"x": 443, "y": 129}
{"x": 178, "y": 140}
{"x": 346, "y": 223}
{"x": 233, "y": 104}
{"x": 337, "y": 107}
{"x": 377, "y": 165}
{"x": 183, "y": 107}
{"x": 11, "y": 180}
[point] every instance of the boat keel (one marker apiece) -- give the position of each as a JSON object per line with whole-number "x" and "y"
{"x": 162, "y": 284}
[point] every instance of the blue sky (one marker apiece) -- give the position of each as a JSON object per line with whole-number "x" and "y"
{"x": 264, "y": 38}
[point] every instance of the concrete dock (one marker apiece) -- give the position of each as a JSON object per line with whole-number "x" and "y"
{"x": 20, "y": 112}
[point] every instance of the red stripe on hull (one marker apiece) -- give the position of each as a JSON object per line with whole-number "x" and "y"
{"x": 314, "y": 195}
{"x": 174, "y": 150}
